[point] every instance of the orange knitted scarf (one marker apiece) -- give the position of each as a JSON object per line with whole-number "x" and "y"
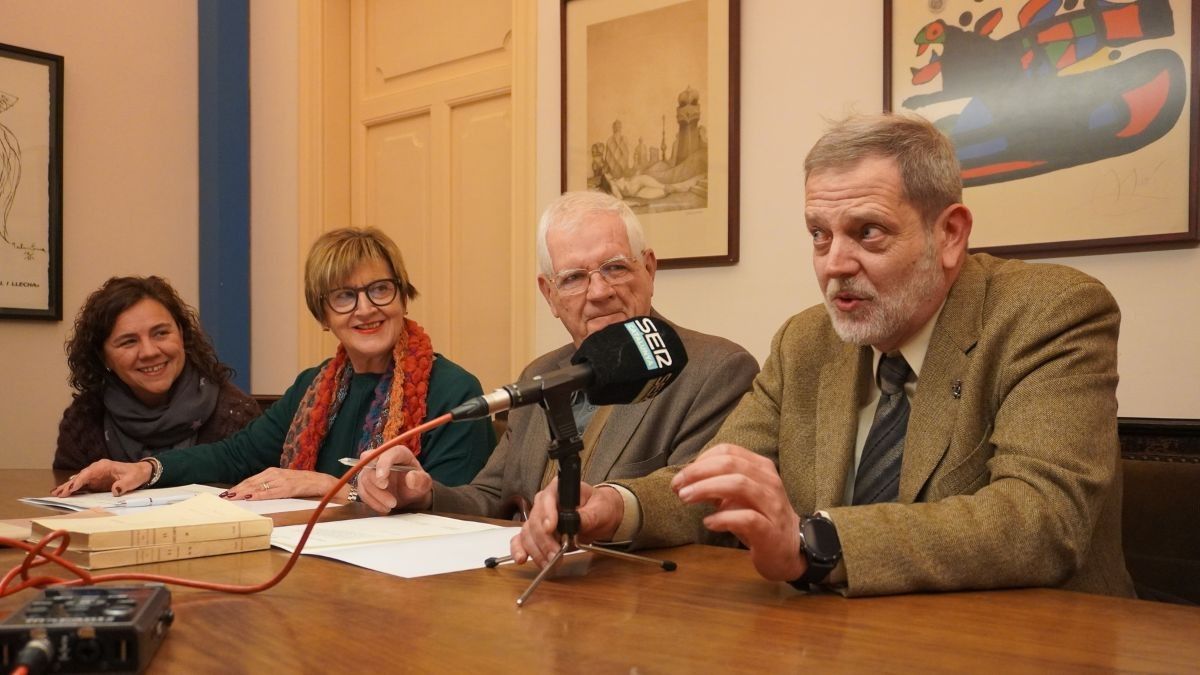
{"x": 399, "y": 403}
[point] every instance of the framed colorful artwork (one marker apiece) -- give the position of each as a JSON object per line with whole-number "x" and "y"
{"x": 1075, "y": 121}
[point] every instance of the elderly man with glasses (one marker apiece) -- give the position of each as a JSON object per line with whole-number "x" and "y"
{"x": 595, "y": 270}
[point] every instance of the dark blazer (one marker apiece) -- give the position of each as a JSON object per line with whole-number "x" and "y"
{"x": 1011, "y": 467}
{"x": 670, "y": 428}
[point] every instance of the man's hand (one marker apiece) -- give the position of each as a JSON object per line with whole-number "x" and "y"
{"x": 105, "y": 474}
{"x": 383, "y": 489}
{"x": 600, "y": 512}
{"x": 751, "y": 503}
{"x": 279, "y": 483}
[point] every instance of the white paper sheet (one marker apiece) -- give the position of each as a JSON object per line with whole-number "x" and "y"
{"x": 105, "y": 500}
{"x": 269, "y": 506}
{"x": 406, "y": 545}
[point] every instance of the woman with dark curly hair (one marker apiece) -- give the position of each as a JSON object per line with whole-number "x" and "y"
{"x": 145, "y": 376}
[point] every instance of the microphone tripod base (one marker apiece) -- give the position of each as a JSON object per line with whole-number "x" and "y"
{"x": 568, "y": 544}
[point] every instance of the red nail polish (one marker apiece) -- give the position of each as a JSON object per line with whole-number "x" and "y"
{"x": 227, "y": 495}
{"x": 247, "y": 496}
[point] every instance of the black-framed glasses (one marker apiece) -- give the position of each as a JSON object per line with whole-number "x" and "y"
{"x": 380, "y": 293}
{"x": 616, "y": 270}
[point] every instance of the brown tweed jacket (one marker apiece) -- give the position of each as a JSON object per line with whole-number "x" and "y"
{"x": 1011, "y": 468}
{"x": 670, "y": 428}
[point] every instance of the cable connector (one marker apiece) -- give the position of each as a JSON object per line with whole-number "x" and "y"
{"x": 35, "y": 656}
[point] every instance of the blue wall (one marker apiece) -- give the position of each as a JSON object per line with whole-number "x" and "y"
{"x": 224, "y": 101}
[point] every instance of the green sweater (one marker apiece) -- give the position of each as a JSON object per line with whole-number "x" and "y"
{"x": 452, "y": 453}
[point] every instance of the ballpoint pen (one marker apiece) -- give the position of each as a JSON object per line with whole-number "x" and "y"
{"x": 152, "y": 501}
{"x": 353, "y": 461}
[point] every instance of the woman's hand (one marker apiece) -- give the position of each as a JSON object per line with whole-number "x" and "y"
{"x": 277, "y": 483}
{"x": 120, "y": 477}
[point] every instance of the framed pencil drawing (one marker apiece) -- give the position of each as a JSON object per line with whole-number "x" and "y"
{"x": 31, "y": 91}
{"x": 650, "y": 115}
{"x": 1074, "y": 121}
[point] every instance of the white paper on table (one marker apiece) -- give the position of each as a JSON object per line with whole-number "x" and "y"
{"x": 406, "y": 545}
{"x": 269, "y": 506}
{"x": 105, "y": 500}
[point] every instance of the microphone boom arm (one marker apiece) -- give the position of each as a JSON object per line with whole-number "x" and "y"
{"x": 517, "y": 394}
{"x": 565, "y": 447}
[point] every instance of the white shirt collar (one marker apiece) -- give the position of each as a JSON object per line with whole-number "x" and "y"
{"x": 914, "y": 349}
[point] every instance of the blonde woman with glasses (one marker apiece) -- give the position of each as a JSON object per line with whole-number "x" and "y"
{"x": 385, "y": 378}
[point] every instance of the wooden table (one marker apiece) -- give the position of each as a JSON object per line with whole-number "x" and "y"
{"x": 713, "y": 614}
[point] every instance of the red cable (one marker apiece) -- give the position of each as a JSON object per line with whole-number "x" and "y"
{"x": 36, "y": 555}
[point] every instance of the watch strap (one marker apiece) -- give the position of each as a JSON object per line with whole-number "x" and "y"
{"x": 815, "y": 574}
{"x": 818, "y": 569}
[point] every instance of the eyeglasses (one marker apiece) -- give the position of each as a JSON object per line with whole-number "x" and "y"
{"x": 380, "y": 293}
{"x": 616, "y": 270}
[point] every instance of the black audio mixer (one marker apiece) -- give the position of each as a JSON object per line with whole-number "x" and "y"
{"x": 91, "y": 629}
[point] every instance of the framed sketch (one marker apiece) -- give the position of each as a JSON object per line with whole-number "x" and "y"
{"x": 650, "y": 114}
{"x": 1075, "y": 122}
{"x": 31, "y": 92}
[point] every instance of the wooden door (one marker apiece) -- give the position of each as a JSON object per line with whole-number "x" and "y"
{"x": 428, "y": 158}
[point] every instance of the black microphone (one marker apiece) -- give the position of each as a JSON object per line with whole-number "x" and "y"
{"x": 627, "y": 362}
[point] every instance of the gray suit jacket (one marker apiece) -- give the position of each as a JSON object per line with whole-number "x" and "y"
{"x": 670, "y": 428}
{"x": 1010, "y": 474}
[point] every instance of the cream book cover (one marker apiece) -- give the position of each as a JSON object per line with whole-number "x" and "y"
{"x": 142, "y": 555}
{"x": 204, "y": 517}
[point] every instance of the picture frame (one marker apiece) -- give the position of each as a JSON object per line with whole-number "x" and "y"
{"x": 1074, "y": 121}
{"x": 650, "y": 114}
{"x": 31, "y": 127}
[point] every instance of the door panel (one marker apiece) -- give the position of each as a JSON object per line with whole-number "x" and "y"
{"x": 480, "y": 187}
{"x": 429, "y": 130}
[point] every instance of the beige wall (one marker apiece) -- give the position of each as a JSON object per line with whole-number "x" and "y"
{"x": 130, "y": 162}
{"x": 129, "y": 181}
{"x": 799, "y": 66}
{"x": 130, "y": 185}
{"x": 275, "y": 293}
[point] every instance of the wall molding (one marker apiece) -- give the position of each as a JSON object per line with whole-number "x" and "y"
{"x": 1160, "y": 439}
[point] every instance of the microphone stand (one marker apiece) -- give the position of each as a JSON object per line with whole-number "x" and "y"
{"x": 565, "y": 446}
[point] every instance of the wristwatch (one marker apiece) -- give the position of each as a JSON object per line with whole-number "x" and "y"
{"x": 820, "y": 546}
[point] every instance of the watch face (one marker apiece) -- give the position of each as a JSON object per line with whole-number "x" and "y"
{"x": 821, "y": 539}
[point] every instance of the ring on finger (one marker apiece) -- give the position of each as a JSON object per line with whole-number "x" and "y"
{"x": 266, "y": 485}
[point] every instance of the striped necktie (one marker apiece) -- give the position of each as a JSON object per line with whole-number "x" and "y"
{"x": 878, "y": 476}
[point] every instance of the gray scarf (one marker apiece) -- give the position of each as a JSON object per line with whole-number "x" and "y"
{"x": 133, "y": 430}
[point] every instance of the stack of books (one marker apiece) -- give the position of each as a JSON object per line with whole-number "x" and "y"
{"x": 201, "y": 526}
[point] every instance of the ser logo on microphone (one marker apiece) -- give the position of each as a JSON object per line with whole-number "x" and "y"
{"x": 649, "y": 343}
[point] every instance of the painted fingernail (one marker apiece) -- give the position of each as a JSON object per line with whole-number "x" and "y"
{"x": 247, "y": 496}
{"x": 226, "y": 494}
